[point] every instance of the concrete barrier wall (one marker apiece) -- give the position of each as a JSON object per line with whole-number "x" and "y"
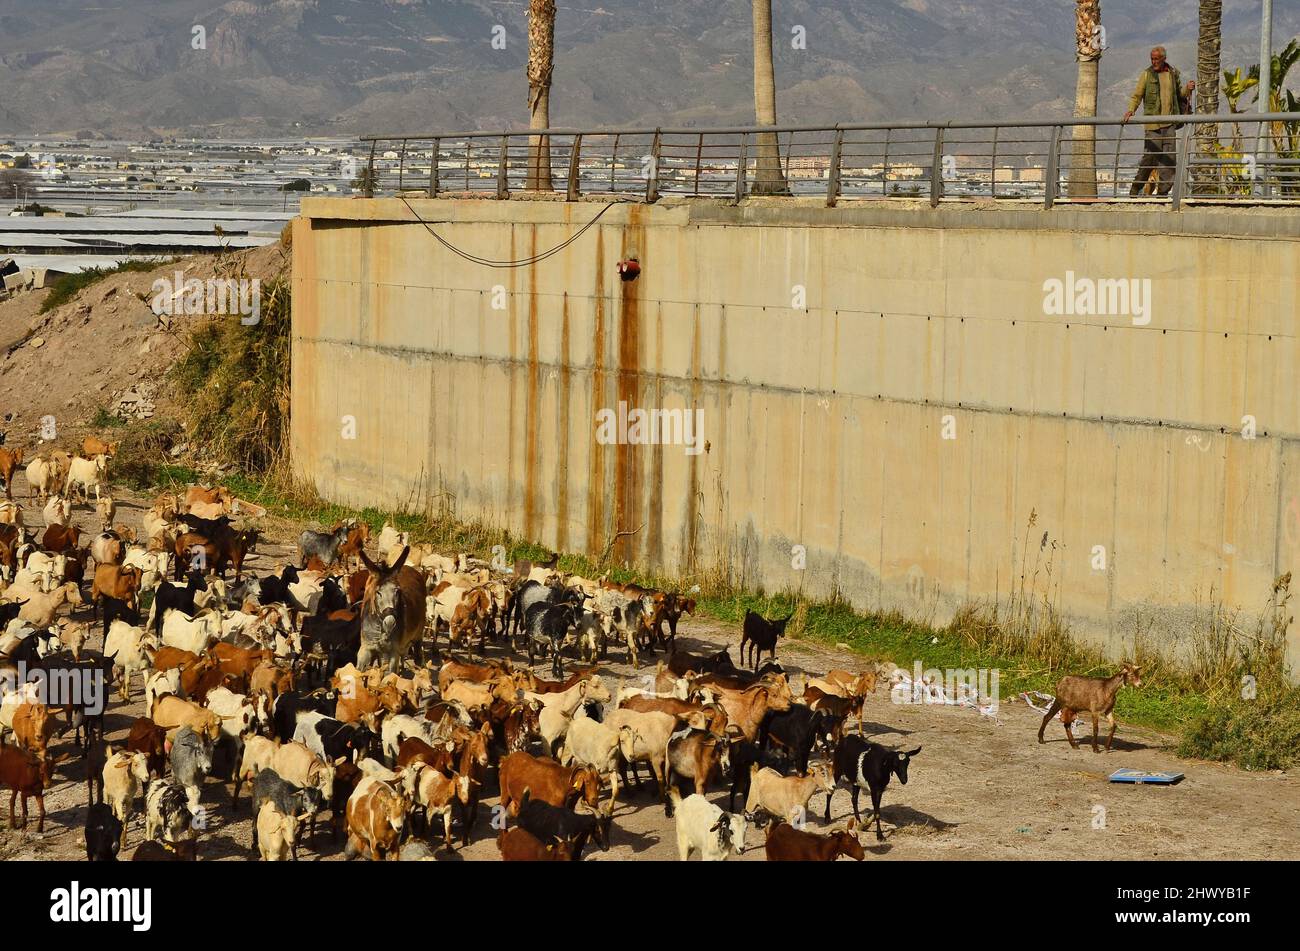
{"x": 884, "y": 387}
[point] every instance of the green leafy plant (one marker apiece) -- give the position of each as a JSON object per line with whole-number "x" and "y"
{"x": 70, "y": 285}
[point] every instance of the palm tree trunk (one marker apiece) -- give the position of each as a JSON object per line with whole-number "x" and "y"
{"x": 541, "y": 60}
{"x": 1207, "y": 76}
{"x": 770, "y": 179}
{"x": 1083, "y": 162}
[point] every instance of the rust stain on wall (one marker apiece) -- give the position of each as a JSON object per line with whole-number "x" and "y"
{"x": 532, "y": 402}
{"x": 596, "y": 476}
{"x": 566, "y": 428}
{"x": 691, "y": 540}
{"x": 627, "y": 476}
{"x": 512, "y": 377}
{"x": 654, "y": 551}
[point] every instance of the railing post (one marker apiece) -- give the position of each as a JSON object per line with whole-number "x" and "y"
{"x": 993, "y": 166}
{"x": 652, "y": 183}
{"x": 370, "y": 172}
{"x": 699, "y": 160}
{"x": 574, "y": 157}
{"x": 503, "y": 169}
{"x": 833, "y": 173}
{"x": 936, "y": 169}
{"x": 401, "y": 166}
{"x": 1180, "y": 166}
{"x": 1051, "y": 180}
{"x": 613, "y": 160}
{"x": 741, "y": 169}
{"x": 433, "y": 169}
{"x": 1119, "y": 142}
{"x": 884, "y": 169}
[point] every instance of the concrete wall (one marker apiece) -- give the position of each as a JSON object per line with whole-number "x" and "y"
{"x": 825, "y": 425}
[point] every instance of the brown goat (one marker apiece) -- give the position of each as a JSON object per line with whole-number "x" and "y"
{"x": 788, "y": 844}
{"x": 520, "y": 845}
{"x": 59, "y": 538}
{"x": 1093, "y": 695}
{"x": 27, "y": 775}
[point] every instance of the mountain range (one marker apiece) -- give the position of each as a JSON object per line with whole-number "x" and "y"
{"x": 261, "y": 68}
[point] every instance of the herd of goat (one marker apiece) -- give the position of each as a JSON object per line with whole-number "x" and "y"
{"x": 313, "y": 686}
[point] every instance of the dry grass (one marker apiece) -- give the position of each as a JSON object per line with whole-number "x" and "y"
{"x": 235, "y": 380}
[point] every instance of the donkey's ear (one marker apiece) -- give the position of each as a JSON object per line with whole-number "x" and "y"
{"x": 370, "y": 565}
{"x": 397, "y": 565}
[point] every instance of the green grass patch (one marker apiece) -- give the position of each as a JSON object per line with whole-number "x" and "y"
{"x": 70, "y": 285}
{"x": 103, "y": 419}
{"x": 142, "y": 454}
{"x": 1211, "y": 725}
{"x": 1254, "y": 734}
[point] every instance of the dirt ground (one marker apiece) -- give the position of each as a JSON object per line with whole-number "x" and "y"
{"x": 86, "y": 353}
{"x": 980, "y": 789}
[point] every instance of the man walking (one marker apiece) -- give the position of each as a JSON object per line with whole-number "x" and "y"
{"x": 1160, "y": 94}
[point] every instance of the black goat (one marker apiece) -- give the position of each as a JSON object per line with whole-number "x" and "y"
{"x": 291, "y": 800}
{"x": 868, "y": 765}
{"x": 28, "y": 651}
{"x": 547, "y": 626}
{"x": 744, "y": 754}
{"x": 169, "y": 596}
{"x": 338, "y": 641}
{"x": 333, "y": 597}
{"x": 683, "y": 662}
{"x": 10, "y": 611}
{"x": 800, "y": 730}
{"x": 273, "y": 590}
{"x": 103, "y": 834}
{"x": 81, "y": 694}
{"x": 534, "y": 592}
{"x": 284, "y": 718}
{"x": 761, "y": 635}
{"x": 116, "y": 609}
{"x": 550, "y": 823}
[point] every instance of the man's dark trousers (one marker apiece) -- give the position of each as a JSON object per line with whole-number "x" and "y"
{"x": 1158, "y": 161}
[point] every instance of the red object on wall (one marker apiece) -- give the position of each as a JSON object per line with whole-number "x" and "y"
{"x": 629, "y": 270}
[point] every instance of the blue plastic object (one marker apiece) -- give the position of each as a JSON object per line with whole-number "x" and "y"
{"x": 1144, "y": 776}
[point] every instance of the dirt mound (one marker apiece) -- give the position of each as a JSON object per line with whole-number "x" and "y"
{"x": 104, "y": 344}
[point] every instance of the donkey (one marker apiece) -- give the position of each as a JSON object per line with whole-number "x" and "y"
{"x": 392, "y": 613}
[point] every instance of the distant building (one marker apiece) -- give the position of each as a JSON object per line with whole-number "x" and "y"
{"x": 808, "y": 167}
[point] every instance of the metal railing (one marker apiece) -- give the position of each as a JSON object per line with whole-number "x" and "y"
{"x": 1235, "y": 158}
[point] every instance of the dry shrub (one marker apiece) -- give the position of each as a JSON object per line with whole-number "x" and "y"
{"x": 235, "y": 380}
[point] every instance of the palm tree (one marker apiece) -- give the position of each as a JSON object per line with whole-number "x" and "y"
{"x": 541, "y": 60}
{"x": 1087, "y": 44}
{"x": 770, "y": 179}
{"x": 367, "y": 181}
{"x": 1207, "y": 72}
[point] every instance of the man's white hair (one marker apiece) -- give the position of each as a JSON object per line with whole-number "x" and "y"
{"x": 1160, "y": 50}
